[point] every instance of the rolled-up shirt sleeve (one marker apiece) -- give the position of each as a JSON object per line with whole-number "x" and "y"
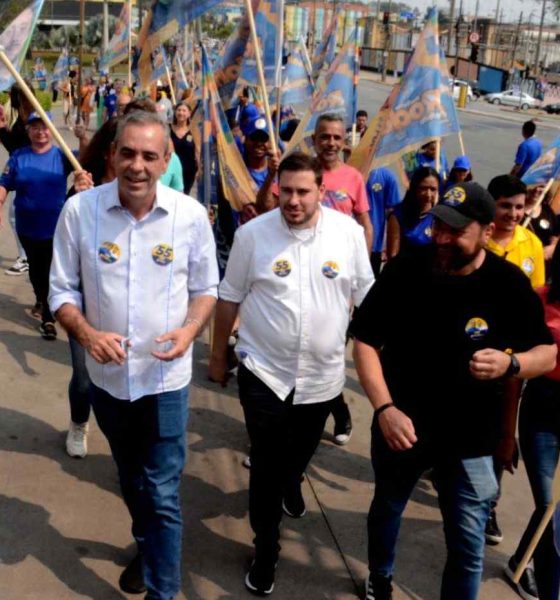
{"x": 203, "y": 264}
{"x": 235, "y": 285}
{"x": 65, "y": 285}
{"x": 362, "y": 277}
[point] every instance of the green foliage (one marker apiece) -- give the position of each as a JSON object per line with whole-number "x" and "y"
{"x": 45, "y": 99}
{"x": 4, "y": 97}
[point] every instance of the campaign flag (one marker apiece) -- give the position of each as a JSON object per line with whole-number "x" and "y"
{"x": 117, "y": 50}
{"x": 237, "y": 185}
{"x": 423, "y": 107}
{"x": 158, "y": 63}
{"x": 17, "y": 27}
{"x": 297, "y": 85}
{"x": 334, "y": 94}
{"x": 325, "y": 51}
{"x": 546, "y": 167}
{"x": 181, "y": 83}
{"x": 61, "y": 67}
{"x": 166, "y": 18}
{"x": 269, "y": 29}
{"x": 228, "y": 65}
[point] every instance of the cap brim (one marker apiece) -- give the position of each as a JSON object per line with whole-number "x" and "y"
{"x": 450, "y": 216}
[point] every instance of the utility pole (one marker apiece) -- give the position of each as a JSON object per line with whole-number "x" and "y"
{"x": 450, "y": 29}
{"x": 457, "y": 32}
{"x": 539, "y": 39}
{"x": 387, "y": 44}
{"x": 516, "y": 39}
{"x": 105, "y": 42}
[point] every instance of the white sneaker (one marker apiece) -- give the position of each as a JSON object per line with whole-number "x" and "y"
{"x": 76, "y": 440}
{"x": 18, "y": 268}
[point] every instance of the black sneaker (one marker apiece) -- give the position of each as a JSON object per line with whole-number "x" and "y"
{"x": 47, "y": 331}
{"x": 131, "y": 580}
{"x": 493, "y": 533}
{"x": 342, "y": 427}
{"x": 527, "y": 586}
{"x": 260, "y": 577}
{"x": 378, "y": 588}
{"x": 293, "y": 503}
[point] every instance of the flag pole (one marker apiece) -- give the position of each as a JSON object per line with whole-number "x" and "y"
{"x": 278, "y": 74}
{"x": 171, "y": 90}
{"x": 539, "y": 201}
{"x": 39, "y": 109}
{"x": 260, "y": 71}
{"x": 461, "y": 143}
{"x": 129, "y": 45}
{"x": 81, "y": 59}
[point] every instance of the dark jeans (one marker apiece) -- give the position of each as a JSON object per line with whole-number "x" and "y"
{"x": 465, "y": 487}
{"x": 147, "y": 439}
{"x": 375, "y": 260}
{"x": 79, "y": 388}
{"x": 283, "y": 440}
{"x": 39, "y": 256}
{"x": 540, "y": 448}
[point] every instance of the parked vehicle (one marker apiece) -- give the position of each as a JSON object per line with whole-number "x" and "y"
{"x": 513, "y": 98}
{"x": 552, "y": 109}
{"x": 457, "y": 86}
{"x": 475, "y": 88}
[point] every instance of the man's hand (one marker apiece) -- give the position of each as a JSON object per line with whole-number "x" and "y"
{"x": 80, "y": 131}
{"x": 82, "y": 181}
{"x": 181, "y": 339}
{"x": 489, "y": 364}
{"x": 249, "y": 212}
{"x": 105, "y": 347}
{"x": 218, "y": 371}
{"x": 507, "y": 454}
{"x": 273, "y": 163}
{"x": 397, "y": 429}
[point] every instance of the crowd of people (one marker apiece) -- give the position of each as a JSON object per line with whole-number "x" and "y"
{"x": 319, "y": 245}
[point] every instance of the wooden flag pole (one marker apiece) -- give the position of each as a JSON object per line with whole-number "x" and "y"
{"x": 438, "y": 154}
{"x": 461, "y": 143}
{"x": 81, "y": 59}
{"x": 541, "y": 528}
{"x": 171, "y": 90}
{"x": 39, "y": 109}
{"x": 260, "y": 71}
{"x": 539, "y": 201}
{"x": 130, "y": 47}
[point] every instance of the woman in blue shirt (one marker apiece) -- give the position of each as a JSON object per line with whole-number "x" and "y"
{"x": 410, "y": 224}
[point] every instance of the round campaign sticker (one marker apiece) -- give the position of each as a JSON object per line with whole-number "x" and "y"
{"x": 109, "y": 252}
{"x": 544, "y": 223}
{"x": 428, "y": 232}
{"x": 528, "y": 265}
{"x": 189, "y": 138}
{"x": 330, "y": 269}
{"x": 376, "y": 187}
{"x": 476, "y": 328}
{"x": 282, "y": 268}
{"x": 162, "y": 254}
{"x": 456, "y": 195}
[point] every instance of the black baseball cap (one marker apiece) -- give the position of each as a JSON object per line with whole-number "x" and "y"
{"x": 464, "y": 203}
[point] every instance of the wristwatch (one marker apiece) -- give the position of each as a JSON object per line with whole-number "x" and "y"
{"x": 514, "y": 366}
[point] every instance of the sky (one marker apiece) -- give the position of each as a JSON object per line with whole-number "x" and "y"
{"x": 487, "y": 8}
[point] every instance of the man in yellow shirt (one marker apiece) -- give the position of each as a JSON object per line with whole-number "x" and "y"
{"x": 515, "y": 243}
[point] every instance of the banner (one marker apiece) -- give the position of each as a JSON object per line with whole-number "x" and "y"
{"x": 422, "y": 108}
{"x": 237, "y": 185}
{"x": 297, "y": 85}
{"x": 117, "y": 50}
{"x": 17, "y": 28}
{"x": 325, "y": 51}
{"x": 61, "y": 68}
{"x": 334, "y": 94}
{"x": 268, "y": 24}
{"x": 546, "y": 167}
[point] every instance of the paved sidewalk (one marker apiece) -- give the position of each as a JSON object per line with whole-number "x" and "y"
{"x": 65, "y": 533}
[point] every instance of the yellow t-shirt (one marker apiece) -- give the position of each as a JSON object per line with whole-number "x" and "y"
{"x": 524, "y": 250}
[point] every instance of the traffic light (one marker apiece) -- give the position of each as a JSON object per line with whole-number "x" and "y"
{"x": 474, "y": 53}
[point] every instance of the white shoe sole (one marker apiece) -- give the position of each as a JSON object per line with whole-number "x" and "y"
{"x": 510, "y": 574}
{"x": 292, "y": 515}
{"x": 252, "y": 588}
{"x": 342, "y": 439}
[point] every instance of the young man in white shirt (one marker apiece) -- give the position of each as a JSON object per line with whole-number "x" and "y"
{"x": 290, "y": 272}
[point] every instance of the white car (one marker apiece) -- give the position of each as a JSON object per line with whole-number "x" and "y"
{"x": 513, "y": 98}
{"x": 457, "y": 84}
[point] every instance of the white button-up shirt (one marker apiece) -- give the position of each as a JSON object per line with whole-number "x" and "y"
{"x": 295, "y": 292}
{"x": 134, "y": 278}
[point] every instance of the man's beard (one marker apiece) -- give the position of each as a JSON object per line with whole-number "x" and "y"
{"x": 450, "y": 259}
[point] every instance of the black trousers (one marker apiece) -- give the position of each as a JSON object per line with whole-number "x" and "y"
{"x": 283, "y": 439}
{"x": 39, "y": 256}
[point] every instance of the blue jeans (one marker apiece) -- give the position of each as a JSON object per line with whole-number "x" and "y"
{"x": 79, "y": 392}
{"x": 465, "y": 488}
{"x": 540, "y": 448}
{"x": 147, "y": 439}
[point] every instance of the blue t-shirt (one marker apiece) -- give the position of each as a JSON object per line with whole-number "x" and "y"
{"x": 39, "y": 181}
{"x": 111, "y": 103}
{"x": 422, "y": 160}
{"x": 259, "y": 176}
{"x": 420, "y": 234}
{"x": 527, "y": 153}
{"x": 383, "y": 193}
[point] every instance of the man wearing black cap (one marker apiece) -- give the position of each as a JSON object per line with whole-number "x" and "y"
{"x": 449, "y": 313}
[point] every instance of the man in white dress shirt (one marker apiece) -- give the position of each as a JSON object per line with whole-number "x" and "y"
{"x": 293, "y": 275}
{"x": 133, "y": 279}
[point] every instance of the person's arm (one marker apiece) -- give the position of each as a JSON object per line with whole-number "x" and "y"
{"x": 3, "y": 197}
{"x": 364, "y": 220}
{"x": 396, "y": 426}
{"x": 519, "y": 159}
{"x": 506, "y": 453}
{"x": 393, "y": 236}
{"x": 266, "y": 199}
{"x": 226, "y": 313}
{"x": 489, "y": 363}
{"x": 549, "y": 250}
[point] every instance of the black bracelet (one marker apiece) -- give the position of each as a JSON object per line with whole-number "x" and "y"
{"x": 379, "y": 410}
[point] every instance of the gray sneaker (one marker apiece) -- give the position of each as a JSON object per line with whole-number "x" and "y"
{"x": 18, "y": 268}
